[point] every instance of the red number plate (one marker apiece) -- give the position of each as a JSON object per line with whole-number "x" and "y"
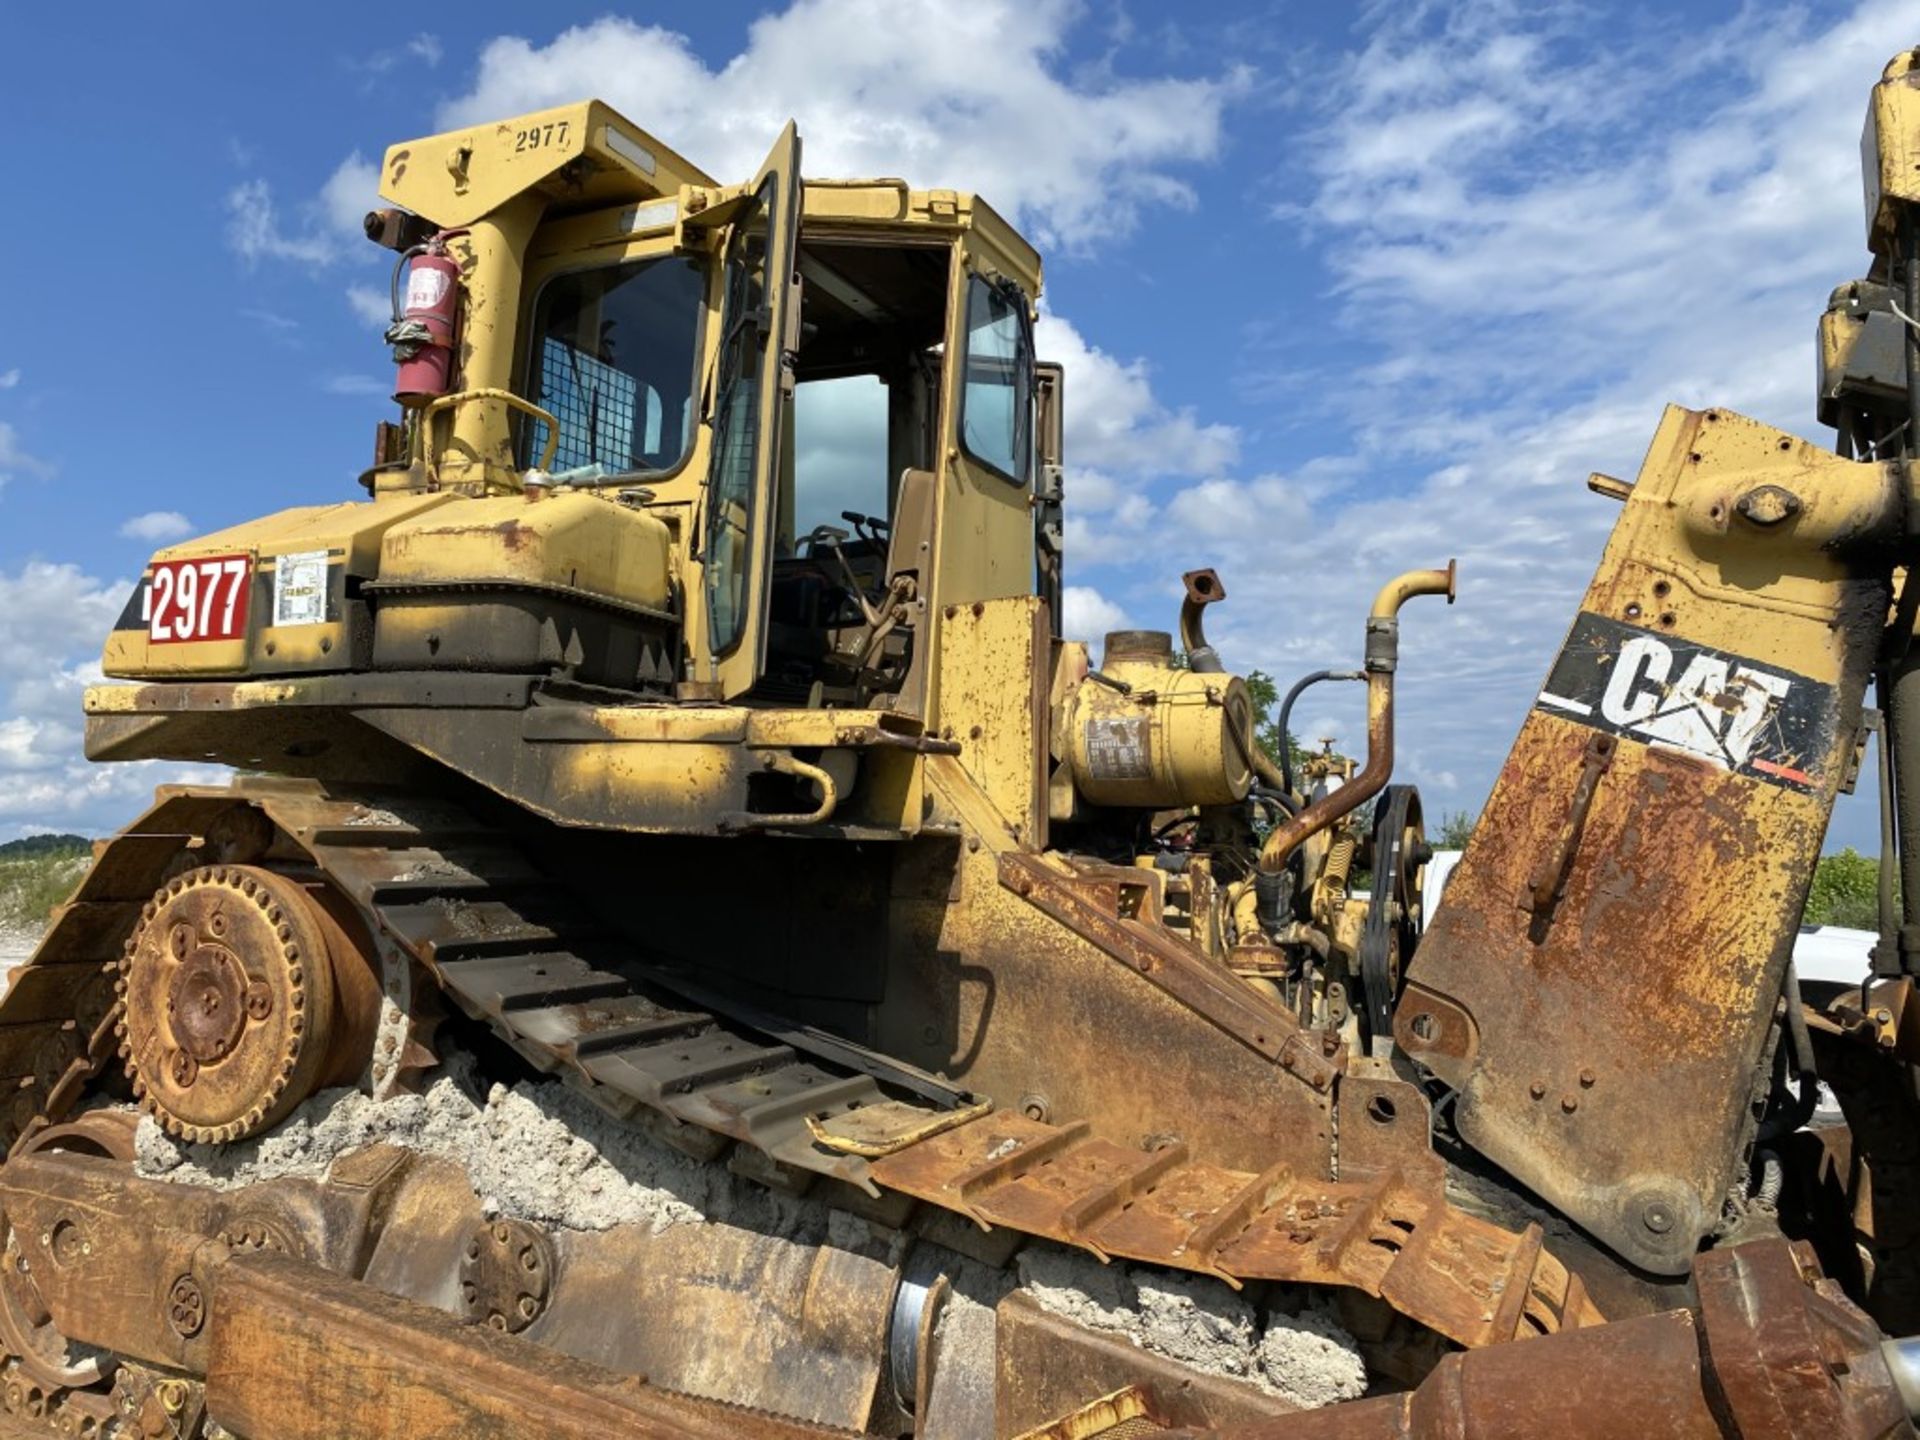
{"x": 198, "y": 599}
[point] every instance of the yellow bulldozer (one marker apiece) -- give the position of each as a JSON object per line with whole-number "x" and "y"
{"x": 685, "y": 954}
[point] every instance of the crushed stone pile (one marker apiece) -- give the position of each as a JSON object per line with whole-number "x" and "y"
{"x": 1306, "y": 1358}
{"x": 536, "y": 1151}
{"x": 540, "y": 1152}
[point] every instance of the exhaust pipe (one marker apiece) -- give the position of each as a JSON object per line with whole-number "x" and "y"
{"x": 1383, "y": 657}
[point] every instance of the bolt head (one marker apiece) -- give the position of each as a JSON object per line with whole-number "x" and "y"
{"x": 1657, "y": 1217}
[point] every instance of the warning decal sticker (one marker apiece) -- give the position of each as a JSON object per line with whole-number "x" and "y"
{"x": 1120, "y": 749}
{"x": 300, "y": 588}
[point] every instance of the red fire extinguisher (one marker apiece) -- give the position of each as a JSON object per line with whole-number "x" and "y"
{"x": 422, "y": 332}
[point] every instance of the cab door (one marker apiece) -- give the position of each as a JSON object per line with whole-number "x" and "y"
{"x": 753, "y": 377}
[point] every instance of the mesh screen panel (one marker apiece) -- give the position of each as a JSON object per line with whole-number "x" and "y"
{"x": 596, "y": 405}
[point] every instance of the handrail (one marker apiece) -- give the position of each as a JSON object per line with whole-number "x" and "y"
{"x": 505, "y": 397}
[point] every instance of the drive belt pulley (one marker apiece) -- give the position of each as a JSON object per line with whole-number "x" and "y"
{"x": 1394, "y": 919}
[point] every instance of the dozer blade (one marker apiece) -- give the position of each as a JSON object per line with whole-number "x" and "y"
{"x": 1601, "y": 979}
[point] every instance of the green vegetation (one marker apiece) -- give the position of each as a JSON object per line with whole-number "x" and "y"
{"x": 1845, "y": 891}
{"x": 34, "y": 847}
{"x": 1453, "y": 831}
{"x": 36, "y": 874}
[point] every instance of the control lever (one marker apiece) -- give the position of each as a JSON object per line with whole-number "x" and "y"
{"x": 864, "y": 523}
{"x": 833, "y": 537}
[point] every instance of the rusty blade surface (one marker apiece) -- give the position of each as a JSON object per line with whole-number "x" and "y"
{"x": 1599, "y": 985}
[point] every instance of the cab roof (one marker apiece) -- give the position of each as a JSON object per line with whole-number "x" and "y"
{"x": 588, "y": 156}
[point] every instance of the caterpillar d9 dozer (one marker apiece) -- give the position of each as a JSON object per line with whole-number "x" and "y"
{"x": 692, "y": 949}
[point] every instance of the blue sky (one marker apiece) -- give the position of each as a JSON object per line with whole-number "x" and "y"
{"x": 1341, "y": 290}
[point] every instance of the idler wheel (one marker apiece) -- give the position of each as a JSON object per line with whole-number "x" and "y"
{"x": 246, "y": 991}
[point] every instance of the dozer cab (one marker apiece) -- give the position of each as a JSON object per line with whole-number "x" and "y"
{"x": 692, "y": 949}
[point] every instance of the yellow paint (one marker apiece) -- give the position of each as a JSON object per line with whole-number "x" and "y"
{"x": 588, "y": 155}
{"x": 1862, "y": 358}
{"x": 583, "y": 541}
{"x": 993, "y": 678}
{"x": 1173, "y": 738}
{"x": 349, "y": 532}
{"x": 1890, "y": 151}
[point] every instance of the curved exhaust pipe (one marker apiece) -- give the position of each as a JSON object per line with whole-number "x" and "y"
{"x": 1383, "y": 657}
{"x": 1203, "y": 588}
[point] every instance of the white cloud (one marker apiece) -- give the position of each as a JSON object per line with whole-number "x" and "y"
{"x": 1537, "y": 238}
{"x": 1114, "y": 422}
{"x": 157, "y": 525}
{"x": 323, "y": 230}
{"x": 1121, "y": 440}
{"x": 53, "y": 619}
{"x": 271, "y": 321}
{"x": 969, "y": 96}
{"x": 14, "y": 458}
{"x": 425, "y": 48}
{"x": 350, "y": 192}
{"x": 9, "y": 378}
{"x": 372, "y": 306}
{"x": 1086, "y": 614}
{"x": 254, "y": 230}
{"x": 348, "y": 384}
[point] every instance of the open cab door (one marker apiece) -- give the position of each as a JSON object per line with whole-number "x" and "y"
{"x": 753, "y": 377}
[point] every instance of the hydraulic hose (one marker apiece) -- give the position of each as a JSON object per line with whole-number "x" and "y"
{"x": 1383, "y": 658}
{"x": 1300, "y": 686}
{"x": 1800, "y": 1047}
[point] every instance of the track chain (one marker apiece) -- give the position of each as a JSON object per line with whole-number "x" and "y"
{"x": 511, "y": 949}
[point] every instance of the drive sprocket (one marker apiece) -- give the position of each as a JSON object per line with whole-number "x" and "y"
{"x": 234, "y": 1001}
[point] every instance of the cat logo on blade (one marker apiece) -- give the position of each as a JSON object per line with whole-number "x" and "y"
{"x": 1672, "y": 694}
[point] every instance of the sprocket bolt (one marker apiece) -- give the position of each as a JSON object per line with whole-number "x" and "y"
{"x": 259, "y": 1000}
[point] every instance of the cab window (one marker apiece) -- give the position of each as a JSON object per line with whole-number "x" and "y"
{"x": 736, "y": 424}
{"x": 614, "y": 361}
{"x": 996, "y": 409}
{"x": 840, "y": 451}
